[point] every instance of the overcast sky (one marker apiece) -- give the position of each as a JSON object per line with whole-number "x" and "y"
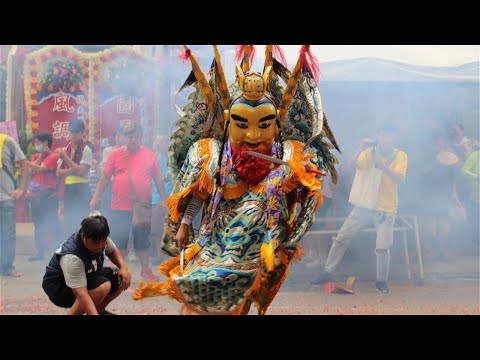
{"x": 430, "y": 55}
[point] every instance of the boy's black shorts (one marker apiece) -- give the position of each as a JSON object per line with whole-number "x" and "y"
{"x": 64, "y": 297}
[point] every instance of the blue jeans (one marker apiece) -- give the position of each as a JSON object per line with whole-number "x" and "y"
{"x": 359, "y": 219}
{"x": 8, "y": 235}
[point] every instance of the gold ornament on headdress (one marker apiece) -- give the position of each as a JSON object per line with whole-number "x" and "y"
{"x": 253, "y": 85}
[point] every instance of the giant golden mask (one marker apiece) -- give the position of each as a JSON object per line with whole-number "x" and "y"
{"x": 252, "y": 124}
{"x": 252, "y": 117}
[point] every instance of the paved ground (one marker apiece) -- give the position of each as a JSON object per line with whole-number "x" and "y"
{"x": 441, "y": 296}
{"x": 449, "y": 288}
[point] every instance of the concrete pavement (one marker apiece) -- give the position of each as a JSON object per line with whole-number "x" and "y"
{"x": 449, "y": 288}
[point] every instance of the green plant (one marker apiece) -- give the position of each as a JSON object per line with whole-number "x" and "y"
{"x": 27, "y": 148}
{"x": 26, "y": 143}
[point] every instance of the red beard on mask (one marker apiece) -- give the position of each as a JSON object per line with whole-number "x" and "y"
{"x": 249, "y": 168}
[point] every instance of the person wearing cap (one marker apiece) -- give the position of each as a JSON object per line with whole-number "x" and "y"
{"x": 74, "y": 165}
{"x": 143, "y": 166}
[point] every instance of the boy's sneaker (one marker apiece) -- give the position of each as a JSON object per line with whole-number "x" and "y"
{"x": 148, "y": 275}
{"x": 322, "y": 279}
{"x": 382, "y": 287}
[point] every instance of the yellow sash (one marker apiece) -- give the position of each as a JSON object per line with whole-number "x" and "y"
{"x": 3, "y": 137}
{"x": 71, "y": 179}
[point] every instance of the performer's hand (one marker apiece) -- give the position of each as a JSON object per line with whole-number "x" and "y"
{"x": 182, "y": 236}
{"x": 312, "y": 168}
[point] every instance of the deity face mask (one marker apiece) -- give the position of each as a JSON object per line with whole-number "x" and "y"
{"x": 252, "y": 124}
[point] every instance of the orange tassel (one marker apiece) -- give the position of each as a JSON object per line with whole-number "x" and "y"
{"x": 150, "y": 290}
{"x": 267, "y": 251}
{"x": 191, "y": 251}
{"x": 203, "y": 182}
{"x": 307, "y": 179}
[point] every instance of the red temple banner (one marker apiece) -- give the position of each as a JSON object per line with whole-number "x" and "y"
{"x": 57, "y": 110}
{"x": 56, "y": 91}
{"x": 103, "y": 89}
{"x": 123, "y": 83}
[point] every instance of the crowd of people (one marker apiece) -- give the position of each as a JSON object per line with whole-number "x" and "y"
{"x": 74, "y": 177}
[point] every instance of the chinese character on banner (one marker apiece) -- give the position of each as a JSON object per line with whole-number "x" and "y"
{"x": 9, "y": 128}
{"x": 62, "y": 103}
{"x": 125, "y": 105}
{"x": 60, "y": 130}
{"x": 82, "y": 101}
